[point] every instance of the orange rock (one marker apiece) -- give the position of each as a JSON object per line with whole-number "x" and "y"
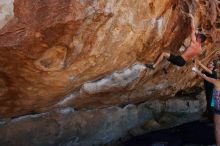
{"x": 79, "y": 42}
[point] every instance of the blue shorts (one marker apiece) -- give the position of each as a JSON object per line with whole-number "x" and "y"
{"x": 216, "y": 111}
{"x": 215, "y": 103}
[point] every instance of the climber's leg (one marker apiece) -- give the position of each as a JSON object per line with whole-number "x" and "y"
{"x": 159, "y": 59}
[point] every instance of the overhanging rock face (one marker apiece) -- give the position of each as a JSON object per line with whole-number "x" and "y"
{"x": 88, "y": 57}
{"x": 52, "y": 49}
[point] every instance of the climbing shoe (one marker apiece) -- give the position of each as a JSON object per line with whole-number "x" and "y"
{"x": 151, "y": 66}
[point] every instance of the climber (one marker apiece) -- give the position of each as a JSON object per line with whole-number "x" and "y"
{"x": 209, "y": 71}
{"x": 215, "y": 103}
{"x": 192, "y": 51}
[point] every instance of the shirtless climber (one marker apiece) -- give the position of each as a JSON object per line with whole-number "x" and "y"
{"x": 194, "y": 49}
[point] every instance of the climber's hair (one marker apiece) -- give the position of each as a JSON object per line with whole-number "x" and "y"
{"x": 215, "y": 64}
{"x": 202, "y": 37}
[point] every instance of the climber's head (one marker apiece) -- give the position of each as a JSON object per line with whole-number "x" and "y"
{"x": 211, "y": 65}
{"x": 201, "y": 37}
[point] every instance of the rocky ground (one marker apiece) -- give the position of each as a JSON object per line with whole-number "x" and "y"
{"x": 68, "y": 126}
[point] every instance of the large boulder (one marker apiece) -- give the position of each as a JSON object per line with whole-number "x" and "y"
{"x": 93, "y": 51}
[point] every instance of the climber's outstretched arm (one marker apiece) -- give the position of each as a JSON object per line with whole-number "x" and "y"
{"x": 193, "y": 28}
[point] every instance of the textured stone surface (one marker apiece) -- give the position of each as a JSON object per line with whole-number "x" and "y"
{"x": 72, "y": 73}
{"x": 88, "y": 54}
{"x": 68, "y": 127}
